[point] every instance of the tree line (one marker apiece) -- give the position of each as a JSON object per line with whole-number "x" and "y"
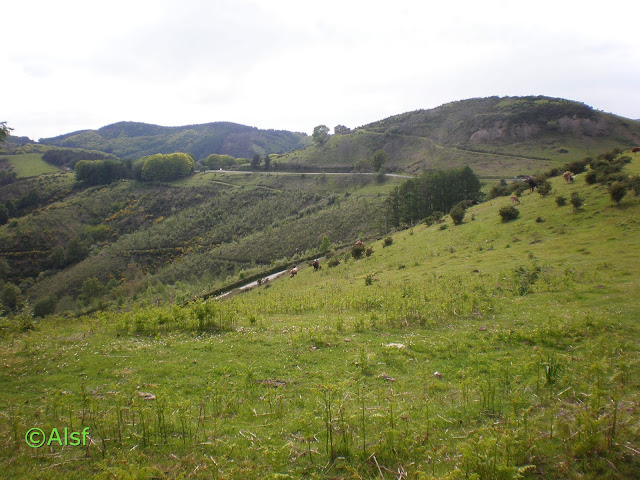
{"x": 431, "y": 192}
{"x": 153, "y": 168}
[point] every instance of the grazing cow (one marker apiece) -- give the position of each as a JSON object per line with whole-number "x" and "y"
{"x": 316, "y": 265}
{"x": 568, "y": 176}
{"x": 515, "y": 200}
{"x": 532, "y": 183}
{"x": 635, "y": 150}
{"x": 293, "y": 272}
{"x": 359, "y": 242}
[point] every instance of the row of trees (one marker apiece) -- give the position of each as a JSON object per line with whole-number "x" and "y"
{"x": 435, "y": 191}
{"x": 100, "y": 172}
{"x": 155, "y": 168}
{"x": 70, "y": 157}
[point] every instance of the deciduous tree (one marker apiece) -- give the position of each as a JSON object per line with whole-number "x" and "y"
{"x": 320, "y": 134}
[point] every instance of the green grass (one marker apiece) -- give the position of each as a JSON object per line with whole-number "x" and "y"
{"x": 30, "y": 165}
{"x": 531, "y": 325}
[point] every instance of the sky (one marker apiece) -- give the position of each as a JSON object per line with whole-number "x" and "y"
{"x": 291, "y": 65}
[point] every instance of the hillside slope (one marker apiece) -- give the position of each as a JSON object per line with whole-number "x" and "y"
{"x": 497, "y": 137}
{"x": 185, "y": 237}
{"x": 134, "y": 140}
{"x": 484, "y": 350}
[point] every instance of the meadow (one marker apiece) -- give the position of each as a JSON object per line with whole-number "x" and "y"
{"x": 485, "y": 350}
{"x": 29, "y": 165}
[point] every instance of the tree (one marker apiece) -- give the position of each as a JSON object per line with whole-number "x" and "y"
{"x": 216, "y": 161}
{"x": 320, "y": 134}
{"x": 4, "y": 215}
{"x": 325, "y": 246}
{"x": 5, "y": 269}
{"x": 267, "y": 162}
{"x": 4, "y": 131}
{"x": 256, "y": 161}
{"x": 10, "y": 296}
{"x": 164, "y": 168}
{"x": 378, "y": 160}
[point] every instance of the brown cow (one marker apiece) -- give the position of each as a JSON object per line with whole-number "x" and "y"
{"x": 568, "y": 176}
{"x": 635, "y": 150}
{"x": 293, "y": 272}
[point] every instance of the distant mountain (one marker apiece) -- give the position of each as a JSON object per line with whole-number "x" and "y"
{"x": 496, "y": 136}
{"x": 134, "y": 140}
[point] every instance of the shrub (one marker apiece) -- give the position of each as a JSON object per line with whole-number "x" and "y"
{"x": 634, "y": 184}
{"x": 388, "y": 241}
{"x": 544, "y": 187}
{"x": 45, "y": 306}
{"x": 579, "y": 166}
{"x": 561, "y": 201}
{"x": 357, "y": 251}
{"x": 576, "y": 200}
{"x": 369, "y": 251}
{"x": 10, "y": 296}
{"x": 508, "y": 213}
{"x": 457, "y": 214}
{"x": 435, "y": 217}
{"x": 334, "y": 262}
{"x": 617, "y": 191}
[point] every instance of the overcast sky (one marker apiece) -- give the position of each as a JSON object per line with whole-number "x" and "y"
{"x": 293, "y": 64}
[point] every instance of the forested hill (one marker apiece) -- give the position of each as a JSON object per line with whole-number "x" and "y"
{"x": 134, "y": 140}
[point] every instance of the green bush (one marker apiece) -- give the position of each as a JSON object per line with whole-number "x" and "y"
{"x": 634, "y": 184}
{"x": 357, "y": 251}
{"x": 388, "y": 241}
{"x": 544, "y": 187}
{"x": 617, "y": 191}
{"x": 45, "y": 306}
{"x": 561, "y": 201}
{"x": 457, "y": 214}
{"x": 435, "y": 217}
{"x": 508, "y": 213}
{"x": 334, "y": 262}
{"x": 576, "y": 200}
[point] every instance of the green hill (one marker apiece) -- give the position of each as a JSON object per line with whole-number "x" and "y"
{"x": 135, "y": 140}
{"x": 186, "y": 237}
{"x": 497, "y": 137}
{"x": 481, "y": 350}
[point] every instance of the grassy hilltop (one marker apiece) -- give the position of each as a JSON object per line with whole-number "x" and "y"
{"x": 498, "y": 137}
{"x": 482, "y": 350}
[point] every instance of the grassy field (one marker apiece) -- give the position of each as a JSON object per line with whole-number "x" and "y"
{"x": 30, "y": 165}
{"x": 487, "y": 350}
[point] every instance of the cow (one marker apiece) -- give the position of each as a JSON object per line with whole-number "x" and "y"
{"x": 293, "y": 272}
{"x": 568, "y": 176}
{"x": 532, "y": 183}
{"x": 635, "y": 150}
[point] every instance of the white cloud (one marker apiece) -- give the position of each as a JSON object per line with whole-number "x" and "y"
{"x": 292, "y": 65}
